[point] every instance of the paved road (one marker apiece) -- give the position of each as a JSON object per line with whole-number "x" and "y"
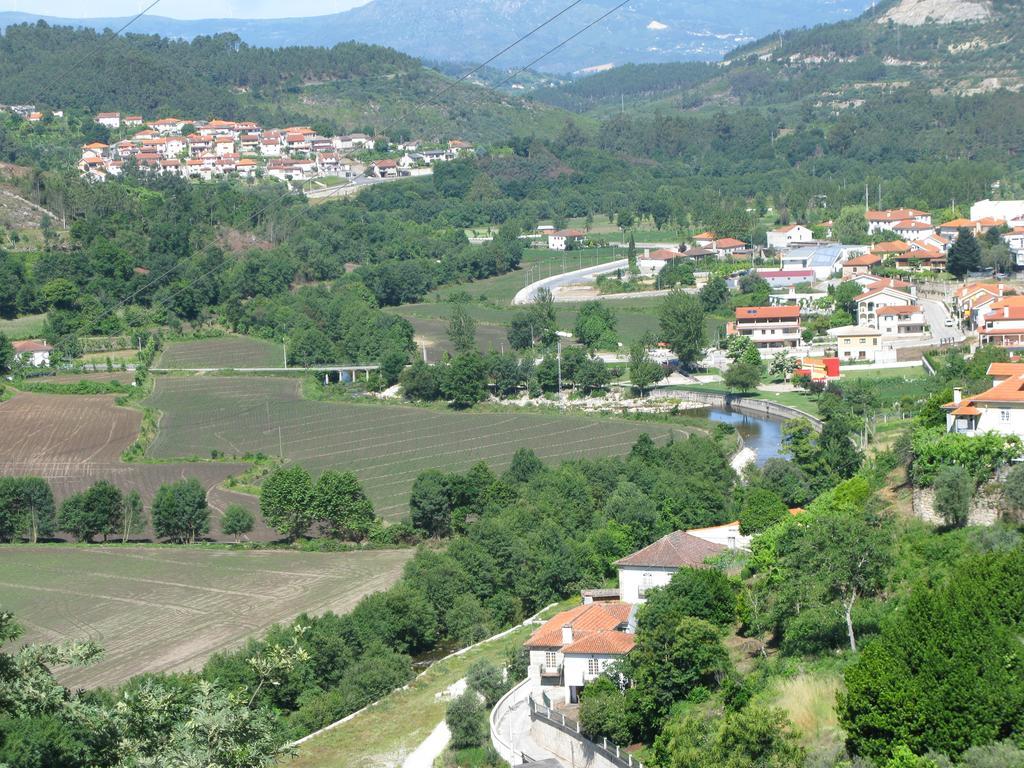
{"x": 430, "y": 748}
{"x": 936, "y": 314}
{"x": 529, "y": 293}
{"x": 510, "y": 728}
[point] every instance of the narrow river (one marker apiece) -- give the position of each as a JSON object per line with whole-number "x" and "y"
{"x": 762, "y": 435}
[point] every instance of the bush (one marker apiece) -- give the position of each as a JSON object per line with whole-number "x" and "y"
{"x": 486, "y": 679}
{"x": 761, "y": 509}
{"x": 467, "y": 720}
{"x": 821, "y": 628}
{"x": 954, "y": 489}
{"x": 237, "y": 521}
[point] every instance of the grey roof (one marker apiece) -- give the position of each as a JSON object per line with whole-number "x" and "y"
{"x": 820, "y": 255}
{"x": 676, "y": 550}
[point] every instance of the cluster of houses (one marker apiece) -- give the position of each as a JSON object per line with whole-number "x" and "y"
{"x": 198, "y": 149}
{"x": 578, "y": 645}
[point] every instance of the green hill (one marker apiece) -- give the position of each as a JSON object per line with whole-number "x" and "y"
{"x": 349, "y": 87}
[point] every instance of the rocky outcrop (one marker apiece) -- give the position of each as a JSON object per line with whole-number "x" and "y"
{"x": 913, "y": 13}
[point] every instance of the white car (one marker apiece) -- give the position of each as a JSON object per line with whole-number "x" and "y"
{"x": 949, "y": 322}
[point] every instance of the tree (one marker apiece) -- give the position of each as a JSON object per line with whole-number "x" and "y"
{"x": 285, "y": 501}
{"x": 752, "y": 737}
{"x": 964, "y": 255}
{"x": 91, "y": 512}
{"x": 430, "y": 504}
{"x": 524, "y": 466}
{"x": 467, "y": 720}
{"x": 6, "y": 354}
{"x": 715, "y": 293}
{"x": 681, "y": 319}
{"x": 543, "y": 318}
{"x": 954, "y": 489}
{"x": 761, "y": 509}
{"x": 634, "y": 269}
{"x": 340, "y": 504}
{"x": 26, "y": 508}
{"x": 851, "y": 226}
{"x": 847, "y": 554}
{"x": 486, "y": 678}
{"x": 741, "y": 349}
{"x": 461, "y": 329}
{"x": 419, "y": 382}
{"x": 392, "y": 365}
{"x": 742, "y": 377}
{"x": 781, "y": 365}
{"x": 520, "y": 331}
{"x": 1013, "y": 489}
{"x": 309, "y": 347}
{"x": 180, "y": 511}
{"x": 465, "y": 381}
{"x": 237, "y": 521}
{"x": 642, "y": 370}
{"x": 595, "y": 325}
{"x": 133, "y": 518}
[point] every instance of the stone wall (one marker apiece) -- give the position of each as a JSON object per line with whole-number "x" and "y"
{"x": 985, "y": 507}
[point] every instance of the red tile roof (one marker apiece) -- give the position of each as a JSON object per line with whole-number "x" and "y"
{"x": 898, "y": 214}
{"x": 770, "y": 313}
{"x": 729, "y": 242}
{"x": 678, "y": 549}
{"x": 32, "y": 345}
{"x": 663, "y": 254}
{"x": 889, "y": 246}
{"x": 584, "y": 620}
{"x": 898, "y": 310}
{"x": 611, "y": 642}
{"x": 866, "y": 260}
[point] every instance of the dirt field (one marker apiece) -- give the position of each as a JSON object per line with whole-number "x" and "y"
{"x": 168, "y": 608}
{"x": 75, "y": 440}
{"x": 224, "y": 352}
{"x": 386, "y": 445}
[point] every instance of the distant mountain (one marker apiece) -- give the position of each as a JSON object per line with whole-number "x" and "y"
{"x": 645, "y": 31}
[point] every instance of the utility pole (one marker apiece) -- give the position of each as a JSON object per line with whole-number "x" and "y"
{"x": 561, "y": 403}
{"x": 280, "y": 444}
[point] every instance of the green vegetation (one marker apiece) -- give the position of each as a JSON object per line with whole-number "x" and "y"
{"x": 224, "y": 352}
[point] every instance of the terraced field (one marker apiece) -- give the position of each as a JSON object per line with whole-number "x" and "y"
{"x": 156, "y": 609}
{"x": 385, "y": 445}
{"x": 222, "y": 352}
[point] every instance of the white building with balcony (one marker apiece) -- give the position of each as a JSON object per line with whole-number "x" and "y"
{"x": 770, "y": 328}
{"x": 881, "y": 297}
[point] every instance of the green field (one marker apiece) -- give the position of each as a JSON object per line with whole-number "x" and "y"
{"x": 222, "y": 352}
{"x": 386, "y": 445}
{"x": 169, "y": 608}
{"x": 27, "y": 327}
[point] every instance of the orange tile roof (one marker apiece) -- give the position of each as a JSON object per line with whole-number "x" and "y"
{"x": 705, "y": 236}
{"x": 898, "y": 310}
{"x": 663, "y": 254}
{"x": 729, "y": 242}
{"x": 32, "y": 345}
{"x": 1005, "y": 369}
{"x": 770, "y": 313}
{"x": 890, "y": 246}
{"x": 865, "y": 260}
{"x": 898, "y": 214}
{"x": 876, "y": 289}
{"x": 1011, "y": 312}
{"x": 584, "y": 620}
{"x": 959, "y": 224}
{"x": 611, "y": 642}
{"x": 967, "y": 410}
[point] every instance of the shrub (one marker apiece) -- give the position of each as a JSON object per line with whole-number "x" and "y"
{"x": 761, "y": 509}
{"x": 467, "y": 720}
{"x": 954, "y": 490}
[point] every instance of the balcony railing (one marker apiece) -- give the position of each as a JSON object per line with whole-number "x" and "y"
{"x": 550, "y": 670}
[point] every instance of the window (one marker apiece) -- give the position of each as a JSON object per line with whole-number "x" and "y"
{"x": 550, "y": 660}
{"x": 593, "y": 667}
{"x": 1004, "y": 415}
{"x": 646, "y": 582}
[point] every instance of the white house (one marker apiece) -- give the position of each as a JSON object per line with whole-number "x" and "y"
{"x": 651, "y": 263}
{"x": 565, "y": 239}
{"x": 825, "y": 260}
{"x": 900, "y": 321}
{"x": 654, "y": 565}
{"x": 1003, "y": 324}
{"x": 727, "y": 535}
{"x": 999, "y": 409}
{"x": 33, "y": 352}
{"x": 880, "y": 221}
{"x": 856, "y": 342}
{"x": 578, "y": 645}
{"x": 913, "y": 229}
{"x": 109, "y": 119}
{"x": 770, "y": 328}
{"x": 874, "y": 299}
{"x": 1006, "y": 210}
{"x": 784, "y": 237}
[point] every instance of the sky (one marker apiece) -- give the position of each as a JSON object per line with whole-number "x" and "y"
{"x": 182, "y": 9}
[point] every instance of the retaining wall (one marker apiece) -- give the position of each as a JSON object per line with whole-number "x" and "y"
{"x": 748, "y": 405}
{"x": 560, "y": 736}
{"x": 985, "y": 506}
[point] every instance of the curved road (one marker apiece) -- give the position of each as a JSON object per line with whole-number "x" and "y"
{"x": 528, "y": 294}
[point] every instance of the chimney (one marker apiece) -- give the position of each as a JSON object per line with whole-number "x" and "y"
{"x": 1002, "y": 287}
{"x": 566, "y": 634}
{"x": 1006, "y": 312}
{"x": 957, "y": 396}
{"x": 647, "y": 253}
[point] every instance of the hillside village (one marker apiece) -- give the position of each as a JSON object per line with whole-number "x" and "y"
{"x": 204, "y": 150}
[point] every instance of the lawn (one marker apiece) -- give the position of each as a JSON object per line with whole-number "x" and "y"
{"x": 169, "y": 608}
{"x": 222, "y": 352}
{"x": 386, "y": 445}
{"x": 386, "y": 733}
{"x": 27, "y": 327}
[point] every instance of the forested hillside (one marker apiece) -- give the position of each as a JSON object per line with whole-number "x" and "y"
{"x": 349, "y": 87}
{"x": 832, "y": 64}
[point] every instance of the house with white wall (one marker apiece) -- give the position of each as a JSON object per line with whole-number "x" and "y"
{"x": 998, "y": 409}
{"x": 876, "y": 298}
{"x": 654, "y": 565}
{"x": 33, "y": 352}
{"x": 652, "y": 262}
{"x": 901, "y": 321}
{"x": 882, "y": 221}
{"x": 770, "y": 328}
{"x": 565, "y": 239}
{"x": 784, "y": 237}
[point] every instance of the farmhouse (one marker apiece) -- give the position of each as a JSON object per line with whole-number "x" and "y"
{"x": 109, "y": 119}
{"x": 34, "y": 352}
{"x": 565, "y": 239}
{"x": 882, "y": 221}
{"x": 654, "y": 565}
{"x": 651, "y": 263}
